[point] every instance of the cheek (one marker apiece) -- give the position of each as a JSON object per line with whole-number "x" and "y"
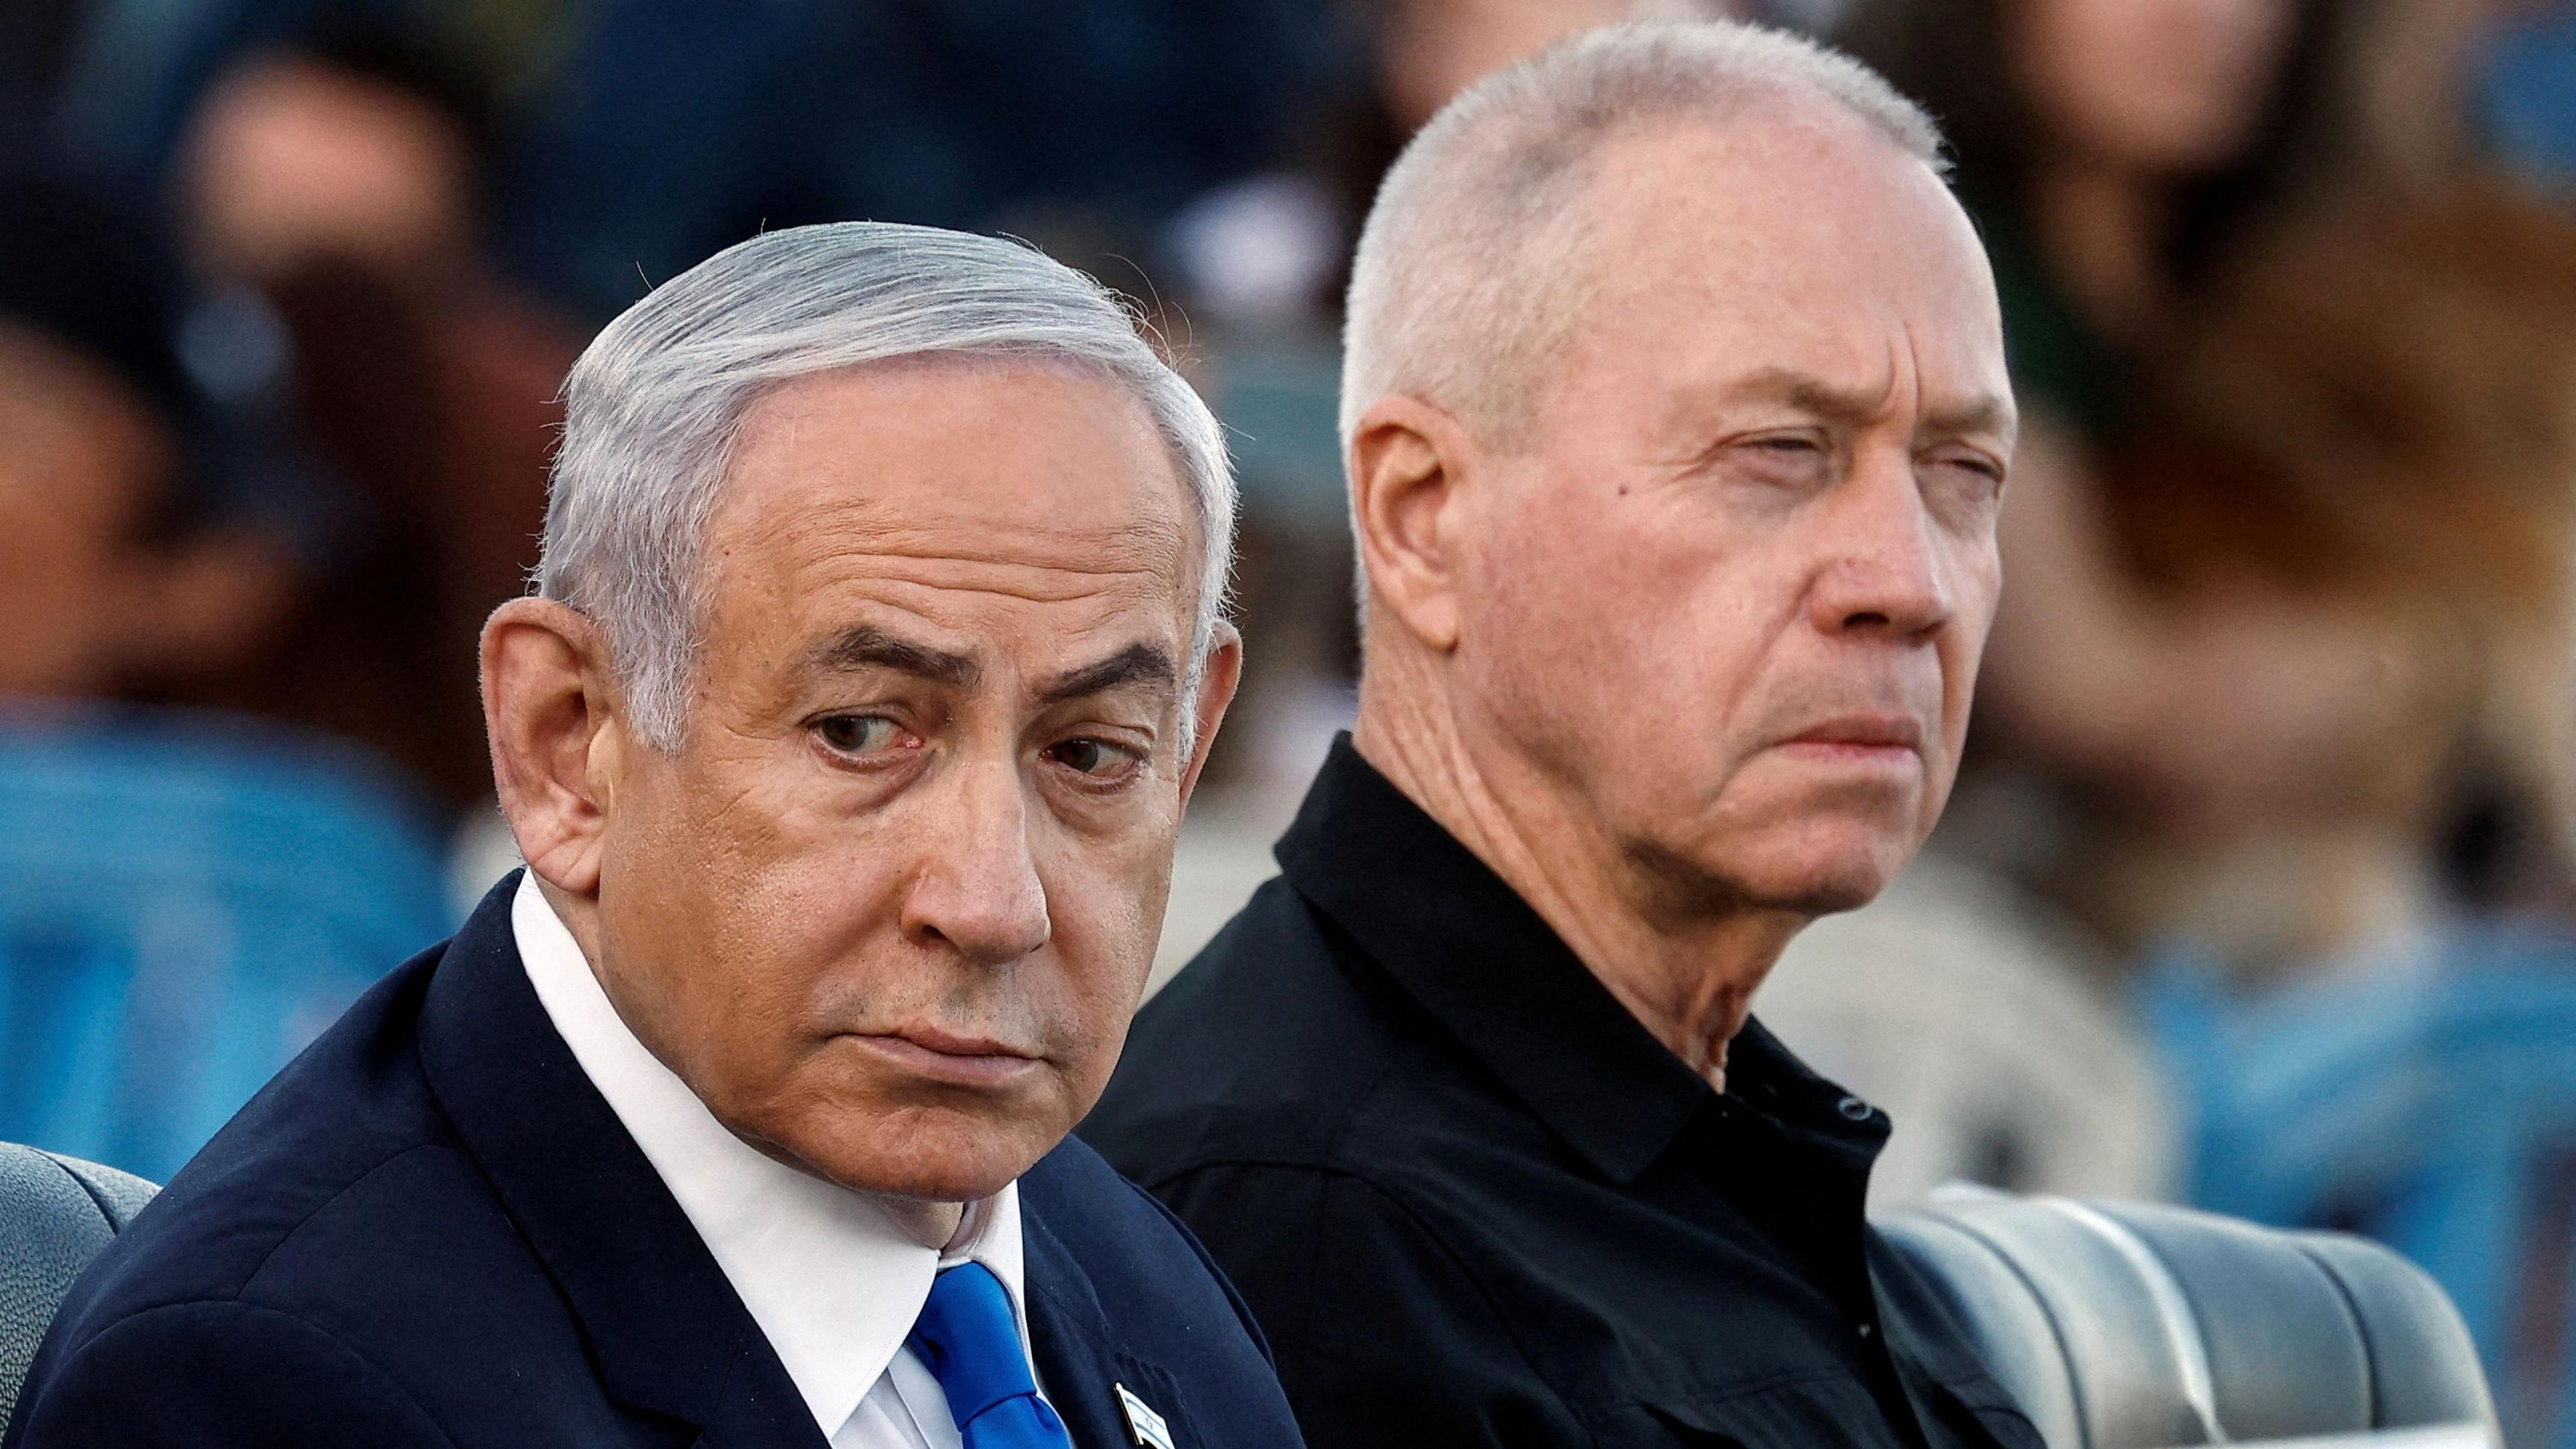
{"x": 1963, "y": 649}
{"x": 729, "y": 914}
{"x": 1105, "y": 902}
{"x": 1622, "y": 642}
{"x": 1543, "y": 625}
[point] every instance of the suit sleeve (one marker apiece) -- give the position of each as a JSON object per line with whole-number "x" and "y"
{"x": 1381, "y": 1334}
{"x": 216, "y": 1375}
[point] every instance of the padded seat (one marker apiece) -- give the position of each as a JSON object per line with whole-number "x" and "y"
{"x": 55, "y": 1214}
{"x": 2131, "y": 1326}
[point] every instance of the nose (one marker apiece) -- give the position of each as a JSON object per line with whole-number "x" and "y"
{"x": 1883, "y": 569}
{"x": 978, "y": 891}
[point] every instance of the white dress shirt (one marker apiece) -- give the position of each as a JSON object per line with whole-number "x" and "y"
{"x": 830, "y": 1278}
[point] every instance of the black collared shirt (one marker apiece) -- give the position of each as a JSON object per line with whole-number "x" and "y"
{"x": 1472, "y": 1201}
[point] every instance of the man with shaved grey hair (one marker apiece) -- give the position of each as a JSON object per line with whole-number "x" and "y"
{"x": 1676, "y": 421}
{"x": 876, "y": 650}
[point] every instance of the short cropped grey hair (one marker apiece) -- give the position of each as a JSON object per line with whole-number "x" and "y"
{"x": 1469, "y": 267}
{"x": 655, "y": 403}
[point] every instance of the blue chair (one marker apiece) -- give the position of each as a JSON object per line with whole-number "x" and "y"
{"x": 2430, "y": 1105}
{"x": 185, "y": 901}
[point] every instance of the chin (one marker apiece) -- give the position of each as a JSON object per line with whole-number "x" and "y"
{"x": 1819, "y": 872}
{"x": 1830, "y": 892}
{"x": 936, "y": 1154}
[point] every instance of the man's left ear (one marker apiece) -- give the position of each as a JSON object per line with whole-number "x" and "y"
{"x": 1217, "y": 684}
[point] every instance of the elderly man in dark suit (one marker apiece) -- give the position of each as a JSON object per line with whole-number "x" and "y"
{"x": 876, "y": 652}
{"x": 1677, "y": 424}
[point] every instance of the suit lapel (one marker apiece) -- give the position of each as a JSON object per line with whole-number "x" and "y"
{"x": 666, "y": 1328}
{"x": 1081, "y": 1362}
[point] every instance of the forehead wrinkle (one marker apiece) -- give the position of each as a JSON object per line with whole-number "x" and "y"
{"x": 1062, "y": 566}
{"x": 1960, "y": 416}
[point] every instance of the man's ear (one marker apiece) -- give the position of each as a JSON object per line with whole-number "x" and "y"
{"x": 1407, "y": 461}
{"x": 552, "y": 713}
{"x": 1217, "y": 682}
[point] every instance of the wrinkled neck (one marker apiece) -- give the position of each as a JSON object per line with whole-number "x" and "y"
{"x": 1684, "y": 962}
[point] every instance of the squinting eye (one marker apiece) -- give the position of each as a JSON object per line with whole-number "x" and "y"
{"x": 1793, "y": 460}
{"x": 1988, "y": 473}
{"x": 1093, "y": 757}
{"x": 857, "y": 734}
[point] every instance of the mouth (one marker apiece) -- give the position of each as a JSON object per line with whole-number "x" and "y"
{"x": 948, "y": 1058}
{"x": 1882, "y": 740}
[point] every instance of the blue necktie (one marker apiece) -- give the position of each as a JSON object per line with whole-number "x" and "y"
{"x": 970, "y": 1342}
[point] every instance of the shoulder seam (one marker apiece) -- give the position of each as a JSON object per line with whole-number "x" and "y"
{"x": 346, "y": 1188}
{"x": 370, "y": 1365}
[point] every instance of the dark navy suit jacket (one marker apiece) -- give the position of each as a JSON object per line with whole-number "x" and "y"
{"x": 430, "y": 1229}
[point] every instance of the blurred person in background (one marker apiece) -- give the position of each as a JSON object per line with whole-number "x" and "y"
{"x": 339, "y": 185}
{"x": 2372, "y": 428}
{"x": 185, "y": 898}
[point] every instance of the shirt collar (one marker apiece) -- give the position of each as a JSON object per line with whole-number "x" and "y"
{"x": 833, "y": 1283}
{"x": 1454, "y": 935}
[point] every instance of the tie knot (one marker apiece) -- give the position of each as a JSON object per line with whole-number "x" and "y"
{"x": 970, "y": 1342}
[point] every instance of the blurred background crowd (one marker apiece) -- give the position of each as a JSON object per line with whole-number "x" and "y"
{"x": 2259, "y": 890}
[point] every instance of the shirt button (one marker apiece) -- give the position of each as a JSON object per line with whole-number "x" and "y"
{"x": 1853, "y": 1109}
{"x": 1864, "y": 1330}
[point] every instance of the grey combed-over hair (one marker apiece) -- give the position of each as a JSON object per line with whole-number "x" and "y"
{"x": 1471, "y": 263}
{"x": 654, "y": 405}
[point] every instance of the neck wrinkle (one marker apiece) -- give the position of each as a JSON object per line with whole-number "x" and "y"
{"x": 1689, "y": 983}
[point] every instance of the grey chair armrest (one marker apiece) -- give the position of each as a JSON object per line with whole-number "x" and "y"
{"x": 55, "y": 1214}
{"x": 2134, "y": 1326}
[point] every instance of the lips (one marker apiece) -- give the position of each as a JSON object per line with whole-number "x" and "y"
{"x": 932, "y": 1039}
{"x": 1863, "y": 732}
{"x": 1890, "y": 744}
{"x": 946, "y": 1057}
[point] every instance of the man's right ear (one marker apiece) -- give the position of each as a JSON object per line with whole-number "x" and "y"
{"x": 1407, "y": 461}
{"x": 551, "y": 711}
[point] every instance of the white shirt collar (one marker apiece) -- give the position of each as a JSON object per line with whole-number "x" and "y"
{"x": 833, "y": 1283}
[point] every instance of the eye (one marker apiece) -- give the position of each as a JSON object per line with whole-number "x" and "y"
{"x": 1984, "y": 467}
{"x": 1095, "y": 759}
{"x": 1790, "y": 460}
{"x": 857, "y": 734}
{"x": 1979, "y": 473}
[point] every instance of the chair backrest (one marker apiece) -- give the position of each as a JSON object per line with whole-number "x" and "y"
{"x": 185, "y": 902}
{"x": 55, "y": 1214}
{"x": 2129, "y": 1326}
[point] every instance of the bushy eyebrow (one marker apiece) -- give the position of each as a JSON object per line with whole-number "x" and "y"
{"x": 1140, "y": 663}
{"x": 866, "y": 647}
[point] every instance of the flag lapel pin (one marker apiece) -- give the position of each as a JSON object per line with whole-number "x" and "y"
{"x": 1142, "y": 1421}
